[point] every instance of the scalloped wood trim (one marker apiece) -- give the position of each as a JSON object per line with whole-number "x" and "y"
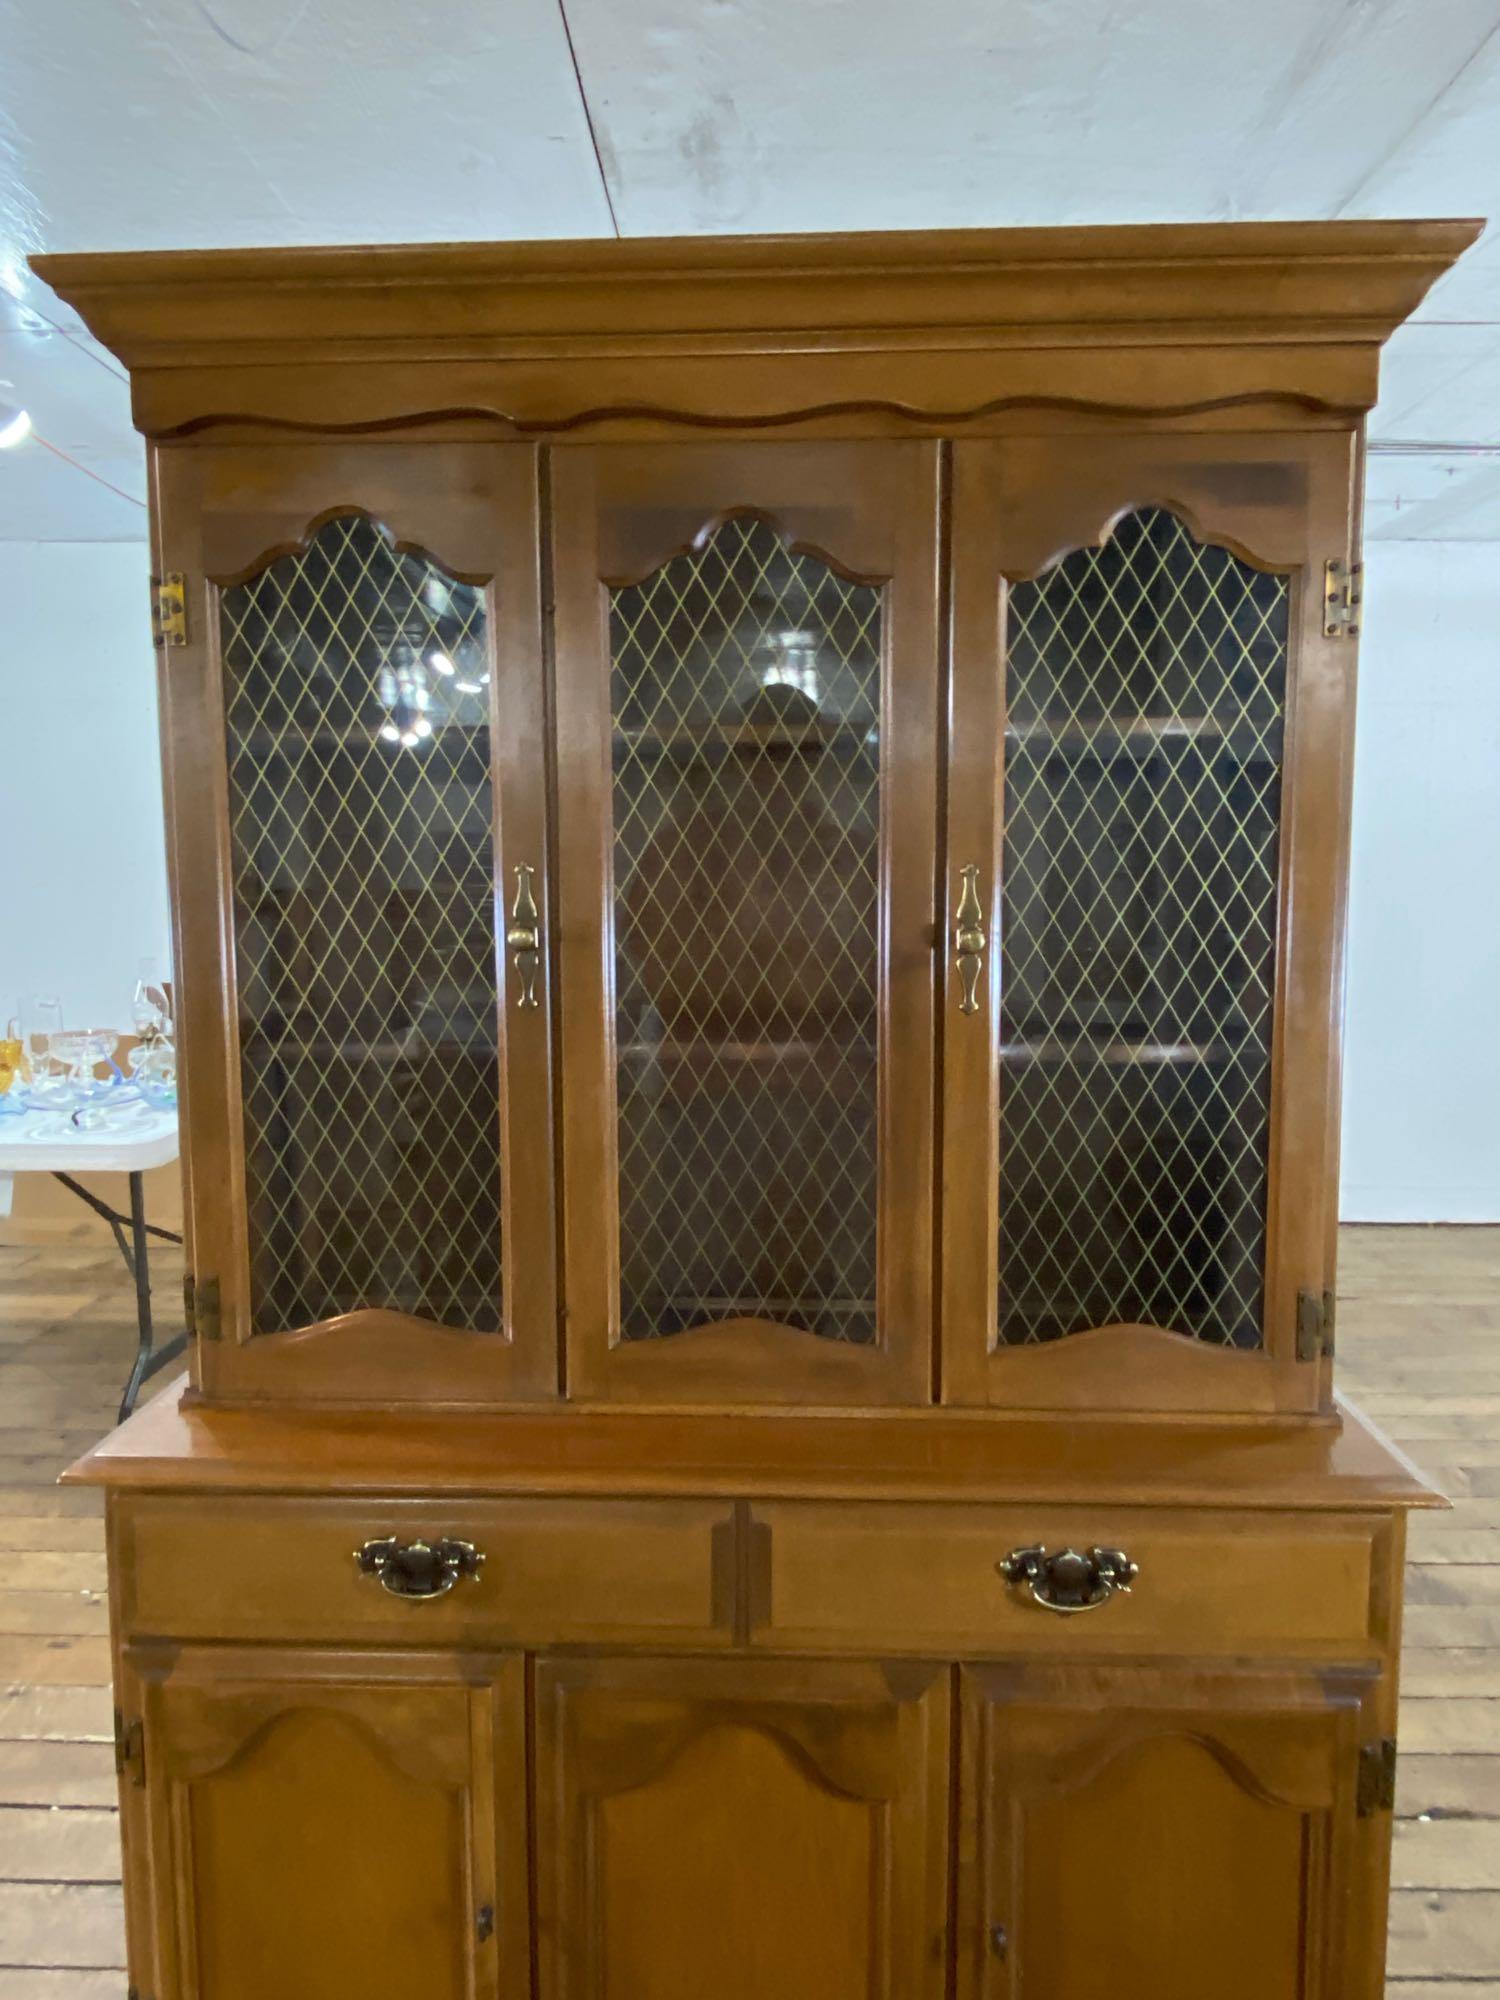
{"x": 1113, "y": 1369}
{"x": 344, "y": 511}
{"x": 706, "y": 420}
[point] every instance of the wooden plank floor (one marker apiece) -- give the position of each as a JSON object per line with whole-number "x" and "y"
{"x": 1419, "y": 1340}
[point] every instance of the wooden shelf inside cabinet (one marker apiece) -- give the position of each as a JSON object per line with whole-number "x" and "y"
{"x": 689, "y": 1068}
{"x": 710, "y": 741}
{"x": 1111, "y": 737}
{"x": 1118, "y": 1052}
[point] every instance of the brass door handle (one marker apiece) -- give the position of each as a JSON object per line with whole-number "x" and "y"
{"x": 970, "y": 939}
{"x": 418, "y": 1570}
{"x": 1070, "y": 1580}
{"x": 524, "y": 937}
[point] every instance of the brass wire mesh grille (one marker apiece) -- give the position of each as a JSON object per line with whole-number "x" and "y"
{"x": 1145, "y": 689}
{"x": 745, "y": 692}
{"x": 356, "y": 705}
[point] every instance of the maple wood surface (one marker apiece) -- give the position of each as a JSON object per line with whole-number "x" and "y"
{"x": 1419, "y": 1309}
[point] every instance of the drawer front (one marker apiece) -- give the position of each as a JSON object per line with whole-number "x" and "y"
{"x": 555, "y": 1572}
{"x": 925, "y": 1579}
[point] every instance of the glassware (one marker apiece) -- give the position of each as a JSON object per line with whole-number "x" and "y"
{"x": 42, "y": 1018}
{"x": 82, "y": 1050}
{"x": 14, "y": 1067}
{"x": 155, "y": 1072}
{"x": 150, "y": 1013}
{"x": 42, "y": 1028}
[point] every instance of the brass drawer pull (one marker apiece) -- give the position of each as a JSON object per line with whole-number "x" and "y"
{"x": 970, "y": 939}
{"x": 418, "y": 1570}
{"x": 524, "y": 936}
{"x": 1069, "y": 1580}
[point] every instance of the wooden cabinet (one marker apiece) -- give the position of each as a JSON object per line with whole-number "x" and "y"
{"x": 319, "y": 1826}
{"x": 758, "y": 838}
{"x": 662, "y": 925}
{"x": 741, "y": 1829}
{"x": 1176, "y": 1831}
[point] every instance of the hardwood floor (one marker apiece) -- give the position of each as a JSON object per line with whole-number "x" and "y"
{"x": 1419, "y": 1342}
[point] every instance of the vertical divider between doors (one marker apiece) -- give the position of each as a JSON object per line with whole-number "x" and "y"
{"x": 955, "y": 1823}
{"x": 552, "y": 932}
{"x": 941, "y": 865}
{"x": 529, "y": 1782}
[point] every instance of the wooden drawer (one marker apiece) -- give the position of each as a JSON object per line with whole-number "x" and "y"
{"x": 923, "y": 1579}
{"x": 555, "y": 1571}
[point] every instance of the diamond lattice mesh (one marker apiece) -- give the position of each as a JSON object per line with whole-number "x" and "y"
{"x": 1145, "y": 689}
{"x": 746, "y": 703}
{"x": 356, "y": 699}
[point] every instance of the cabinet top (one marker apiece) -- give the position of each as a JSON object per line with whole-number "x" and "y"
{"x": 974, "y": 1456}
{"x": 940, "y": 327}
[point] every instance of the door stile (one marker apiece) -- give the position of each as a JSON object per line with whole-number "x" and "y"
{"x": 970, "y": 1042}
{"x": 585, "y": 878}
{"x": 206, "y": 1007}
{"x": 519, "y": 754}
{"x": 1317, "y": 783}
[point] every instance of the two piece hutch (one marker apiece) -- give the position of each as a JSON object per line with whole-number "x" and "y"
{"x": 758, "y": 834}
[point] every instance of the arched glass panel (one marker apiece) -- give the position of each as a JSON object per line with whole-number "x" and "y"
{"x": 357, "y": 714}
{"x": 1145, "y": 694}
{"x": 746, "y": 708}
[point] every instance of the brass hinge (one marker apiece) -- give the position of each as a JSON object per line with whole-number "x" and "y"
{"x": 1315, "y": 1317}
{"x": 1376, "y": 1791}
{"x": 130, "y": 1748}
{"x": 169, "y": 610}
{"x": 200, "y": 1305}
{"x": 1343, "y": 589}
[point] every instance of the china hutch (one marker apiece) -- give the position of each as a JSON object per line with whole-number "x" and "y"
{"x": 758, "y": 833}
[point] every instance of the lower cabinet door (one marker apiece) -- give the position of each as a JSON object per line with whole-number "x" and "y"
{"x": 325, "y": 1830}
{"x": 742, "y": 1829}
{"x": 1156, "y": 1836}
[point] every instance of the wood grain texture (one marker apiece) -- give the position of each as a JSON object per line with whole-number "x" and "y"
{"x": 1222, "y": 1817}
{"x": 764, "y": 331}
{"x": 742, "y": 1828}
{"x": 1409, "y": 1293}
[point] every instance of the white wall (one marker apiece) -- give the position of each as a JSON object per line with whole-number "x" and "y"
{"x": 1422, "y": 1068}
{"x": 84, "y": 893}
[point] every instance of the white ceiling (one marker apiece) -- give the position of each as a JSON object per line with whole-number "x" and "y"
{"x": 132, "y": 124}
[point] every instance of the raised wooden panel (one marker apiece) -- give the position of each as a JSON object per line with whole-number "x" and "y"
{"x": 1156, "y": 1837}
{"x": 352, "y": 1032}
{"x": 924, "y": 1579}
{"x": 747, "y": 704}
{"x": 740, "y": 1829}
{"x": 1247, "y": 1149}
{"x": 555, "y": 1571}
{"x": 327, "y": 1830}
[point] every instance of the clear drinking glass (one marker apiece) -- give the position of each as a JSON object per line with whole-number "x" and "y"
{"x": 149, "y": 1013}
{"x": 41, "y": 1020}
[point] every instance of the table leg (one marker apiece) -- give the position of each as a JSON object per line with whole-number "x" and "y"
{"x": 141, "y": 1270}
{"x": 136, "y": 1252}
{"x": 148, "y": 1357}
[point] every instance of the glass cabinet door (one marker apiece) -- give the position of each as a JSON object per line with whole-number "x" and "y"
{"x": 747, "y": 710}
{"x": 370, "y": 681}
{"x": 1119, "y": 1003}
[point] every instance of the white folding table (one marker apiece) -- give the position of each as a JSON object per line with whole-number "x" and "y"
{"x": 43, "y": 1142}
